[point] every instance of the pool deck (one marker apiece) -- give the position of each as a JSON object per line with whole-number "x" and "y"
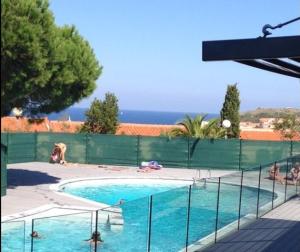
{"x": 277, "y": 230}
{"x": 29, "y": 183}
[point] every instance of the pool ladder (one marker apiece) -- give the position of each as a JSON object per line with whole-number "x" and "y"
{"x": 198, "y": 179}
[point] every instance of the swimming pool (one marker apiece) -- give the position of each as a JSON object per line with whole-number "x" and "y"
{"x": 169, "y": 210}
{"x": 111, "y": 191}
{"x": 169, "y": 215}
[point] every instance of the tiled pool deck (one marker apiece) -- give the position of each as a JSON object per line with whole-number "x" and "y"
{"x": 29, "y": 182}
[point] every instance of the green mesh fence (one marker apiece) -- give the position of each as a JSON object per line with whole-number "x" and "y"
{"x": 296, "y": 148}
{"x": 76, "y": 146}
{"x": 110, "y": 149}
{"x": 254, "y": 153}
{"x": 4, "y": 137}
{"x": 222, "y": 154}
{"x": 132, "y": 150}
{"x": 168, "y": 152}
{"x": 3, "y": 169}
{"x": 22, "y": 147}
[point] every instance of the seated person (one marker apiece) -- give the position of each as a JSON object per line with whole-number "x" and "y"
{"x": 274, "y": 174}
{"x": 58, "y": 153}
{"x": 295, "y": 172}
{"x": 96, "y": 237}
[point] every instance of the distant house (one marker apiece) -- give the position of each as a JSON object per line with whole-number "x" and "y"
{"x": 249, "y": 125}
{"x": 267, "y": 123}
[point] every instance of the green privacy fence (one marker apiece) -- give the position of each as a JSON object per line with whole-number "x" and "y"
{"x": 169, "y": 152}
{"x": 260, "y": 152}
{"x": 295, "y": 148}
{"x": 232, "y": 154}
{"x": 76, "y": 146}
{"x": 109, "y": 149}
{"x": 3, "y": 169}
{"x": 218, "y": 153}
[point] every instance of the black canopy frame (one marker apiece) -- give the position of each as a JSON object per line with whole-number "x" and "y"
{"x": 276, "y": 54}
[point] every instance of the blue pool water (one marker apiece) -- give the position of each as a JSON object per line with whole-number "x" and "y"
{"x": 169, "y": 217}
{"x": 112, "y": 192}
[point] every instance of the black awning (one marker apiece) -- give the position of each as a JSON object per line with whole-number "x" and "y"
{"x": 278, "y": 54}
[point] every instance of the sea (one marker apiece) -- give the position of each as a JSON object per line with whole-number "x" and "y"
{"x": 132, "y": 116}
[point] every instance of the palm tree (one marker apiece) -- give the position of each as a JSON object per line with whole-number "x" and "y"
{"x": 198, "y": 128}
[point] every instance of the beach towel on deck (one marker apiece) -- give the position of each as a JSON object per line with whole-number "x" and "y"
{"x": 152, "y": 164}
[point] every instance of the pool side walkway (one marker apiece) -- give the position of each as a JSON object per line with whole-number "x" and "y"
{"x": 276, "y": 231}
{"x": 28, "y": 183}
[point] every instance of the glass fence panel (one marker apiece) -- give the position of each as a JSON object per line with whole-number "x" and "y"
{"x": 68, "y": 233}
{"x": 124, "y": 227}
{"x": 279, "y": 185}
{"x": 13, "y": 236}
{"x": 292, "y": 182}
{"x": 293, "y": 175}
{"x": 230, "y": 189}
{"x": 290, "y": 185}
{"x": 169, "y": 219}
{"x": 203, "y": 209}
{"x": 266, "y": 189}
{"x": 249, "y": 197}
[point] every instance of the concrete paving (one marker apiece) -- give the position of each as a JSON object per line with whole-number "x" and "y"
{"x": 28, "y": 183}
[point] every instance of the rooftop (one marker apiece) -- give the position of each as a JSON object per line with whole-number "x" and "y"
{"x": 12, "y": 124}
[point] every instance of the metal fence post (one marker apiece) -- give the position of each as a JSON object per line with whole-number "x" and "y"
{"x": 138, "y": 151}
{"x": 32, "y": 229}
{"x": 291, "y": 150}
{"x": 258, "y": 192}
{"x": 240, "y": 155}
{"x": 241, "y": 189}
{"x": 8, "y": 144}
{"x": 86, "y": 147}
{"x": 188, "y": 219}
{"x": 149, "y": 223}
{"x": 24, "y": 236}
{"x": 286, "y": 173}
{"x": 217, "y": 213}
{"x": 189, "y": 154}
{"x": 275, "y": 164}
{"x": 35, "y": 145}
{"x": 96, "y": 229}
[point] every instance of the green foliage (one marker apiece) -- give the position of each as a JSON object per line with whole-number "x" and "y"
{"x": 44, "y": 68}
{"x": 230, "y": 111}
{"x": 197, "y": 128}
{"x": 255, "y": 115}
{"x": 288, "y": 126}
{"x": 102, "y": 117}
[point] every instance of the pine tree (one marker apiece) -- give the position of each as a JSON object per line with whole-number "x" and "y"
{"x": 102, "y": 116}
{"x": 230, "y": 111}
{"x": 44, "y": 67}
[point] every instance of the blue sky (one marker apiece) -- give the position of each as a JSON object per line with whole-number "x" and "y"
{"x": 151, "y": 51}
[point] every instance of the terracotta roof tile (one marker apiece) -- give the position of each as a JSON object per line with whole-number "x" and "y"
{"x": 12, "y": 124}
{"x": 263, "y": 135}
